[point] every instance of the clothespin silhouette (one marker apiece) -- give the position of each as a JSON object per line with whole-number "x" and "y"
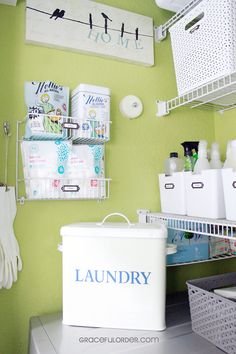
{"x": 106, "y": 20}
{"x": 90, "y": 21}
{"x": 122, "y": 30}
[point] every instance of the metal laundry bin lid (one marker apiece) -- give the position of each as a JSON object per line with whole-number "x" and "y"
{"x": 110, "y": 229}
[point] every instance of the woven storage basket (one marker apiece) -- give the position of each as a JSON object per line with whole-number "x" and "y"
{"x": 204, "y": 44}
{"x": 213, "y": 317}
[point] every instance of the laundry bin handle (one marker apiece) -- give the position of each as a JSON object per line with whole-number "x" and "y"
{"x": 114, "y": 214}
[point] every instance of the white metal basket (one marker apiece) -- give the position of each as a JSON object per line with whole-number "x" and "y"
{"x": 204, "y": 44}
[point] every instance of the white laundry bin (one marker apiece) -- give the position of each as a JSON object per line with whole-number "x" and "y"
{"x": 114, "y": 275}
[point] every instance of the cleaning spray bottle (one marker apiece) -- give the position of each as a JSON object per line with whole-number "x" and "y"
{"x": 215, "y": 162}
{"x": 230, "y": 161}
{"x": 202, "y": 162}
{"x": 189, "y": 161}
{"x": 195, "y": 156}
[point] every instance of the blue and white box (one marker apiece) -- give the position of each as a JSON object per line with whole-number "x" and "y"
{"x": 90, "y": 105}
{"x": 190, "y": 247}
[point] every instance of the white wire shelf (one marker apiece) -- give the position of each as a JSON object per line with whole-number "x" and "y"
{"x": 52, "y": 127}
{"x": 218, "y": 95}
{"x": 208, "y": 227}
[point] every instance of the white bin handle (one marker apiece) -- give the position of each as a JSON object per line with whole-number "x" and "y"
{"x": 115, "y": 214}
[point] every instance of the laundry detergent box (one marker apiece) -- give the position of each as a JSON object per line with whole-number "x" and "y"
{"x": 58, "y": 169}
{"x": 45, "y": 165}
{"x": 48, "y": 109}
{"x": 85, "y": 172}
{"x": 219, "y": 246}
{"x": 90, "y": 104}
{"x": 190, "y": 247}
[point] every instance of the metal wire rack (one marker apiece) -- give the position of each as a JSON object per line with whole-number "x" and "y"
{"x": 209, "y": 227}
{"x": 62, "y": 188}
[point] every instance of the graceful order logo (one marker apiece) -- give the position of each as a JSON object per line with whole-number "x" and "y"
{"x": 112, "y": 276}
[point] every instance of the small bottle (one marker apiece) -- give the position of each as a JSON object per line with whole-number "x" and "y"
{"x": 202, "y": 162}
{"x": 215, "y": 162}
{"x": 173, "y": 164}
{"x": 230, "y": 161}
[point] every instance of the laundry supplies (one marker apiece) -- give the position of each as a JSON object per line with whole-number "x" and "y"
{"x": 173, "y": 164}
{"x": 44, "y": 165}
{"x": 48, "y": 105}
{"x": 58, "y": 169}
{"x": 202, "y": 162}
{"x": 215, "y": 161}
{"x": 86, "y": 171}
{"x": 91, "y": 106}
{"x": 191, "y": 247}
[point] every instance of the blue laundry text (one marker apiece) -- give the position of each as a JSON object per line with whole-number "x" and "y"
{"x": 112, "y": 276}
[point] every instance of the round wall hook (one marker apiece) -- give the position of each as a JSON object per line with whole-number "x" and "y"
{"x": 131, "y": 106}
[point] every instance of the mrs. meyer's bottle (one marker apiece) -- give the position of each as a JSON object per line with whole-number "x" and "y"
{"x": 215, "y": 162}
{"x": 202, "y": 162}
{"x": 173, "y": 164}
{"x": 230, "y": 161}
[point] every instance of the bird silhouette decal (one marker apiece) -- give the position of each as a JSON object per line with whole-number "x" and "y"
{"x": 106, "y": 18}
{"x": 58, "y": 13}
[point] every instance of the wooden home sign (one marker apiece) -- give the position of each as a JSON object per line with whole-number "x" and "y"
{"x": 89, "y": 27}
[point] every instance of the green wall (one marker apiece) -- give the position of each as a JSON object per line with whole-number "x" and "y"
{"x": 134, "y": 157}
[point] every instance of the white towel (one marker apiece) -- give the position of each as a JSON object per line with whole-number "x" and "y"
{"x": 10, "y": 260}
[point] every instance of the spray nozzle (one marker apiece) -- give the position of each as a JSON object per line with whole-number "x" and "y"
{"x": 189, "y": 146}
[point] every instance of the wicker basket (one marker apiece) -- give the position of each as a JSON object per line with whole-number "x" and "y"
{"x": 213, "y": 317}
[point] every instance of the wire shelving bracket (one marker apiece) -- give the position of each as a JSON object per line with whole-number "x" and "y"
{"x": 161, "y": 31}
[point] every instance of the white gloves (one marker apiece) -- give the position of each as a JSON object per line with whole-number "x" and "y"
{"x": 10, "y": 260}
